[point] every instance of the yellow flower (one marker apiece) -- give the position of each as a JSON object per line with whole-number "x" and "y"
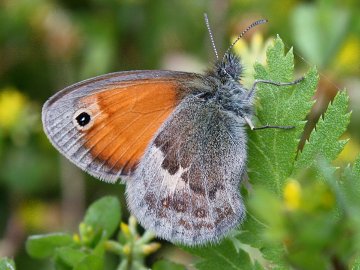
{"x": 150, "y": 248}
{"x": 349, "y": 56}
{"x": 125, "y": 229}
{"x": 349, "y": 153}
{"x": 127, "y": 249}
{"x": 76, "y": 238}
{"x": 38, "y": 215}
{"x": 328, "y": 200}
{"x": 12, "y": 104}
{"x": 292, "y": 194}
{"x": 255, "y": 52}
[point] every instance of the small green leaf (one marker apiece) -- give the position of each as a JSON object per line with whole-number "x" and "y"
{"x": 90, "y": 262}
{"x": 222, "y": 256}
{"x": 61, "y": 265}
{"x": 70, "y": 256}
{"x": 104, "y": 214}
{"x": 167, "y": 265}
{"x": 323, "y": 141}
{"x": 7, "y": 264}
{"x": 42, "y": 246}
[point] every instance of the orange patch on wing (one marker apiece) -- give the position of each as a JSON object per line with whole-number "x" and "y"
{"x": 127, "y": 118}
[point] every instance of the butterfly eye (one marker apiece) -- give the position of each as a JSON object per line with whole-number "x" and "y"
{"x": 83, "y": 119}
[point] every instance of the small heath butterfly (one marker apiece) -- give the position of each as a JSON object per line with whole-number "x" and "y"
{"x": 178, "y": 140}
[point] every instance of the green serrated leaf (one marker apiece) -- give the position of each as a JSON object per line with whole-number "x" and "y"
{"x": 7, "y": 264}
{"x": 42, "y": 246}
{"x": 324, "y": 140}
{"x": 272, "y": 151}
{"x": 167, "y": 265}
{"x": 104, "y": 214}
{"x": 222, "y": 256}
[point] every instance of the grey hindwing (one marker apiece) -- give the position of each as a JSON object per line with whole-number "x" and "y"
{"x": 186, "y": 188}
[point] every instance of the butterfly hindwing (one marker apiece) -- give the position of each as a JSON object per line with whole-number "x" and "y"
{"x": 104, "y": 124}
{"x": 186, "y": 187}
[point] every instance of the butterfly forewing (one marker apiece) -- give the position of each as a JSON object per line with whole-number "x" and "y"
{"x": 104, "y": 124}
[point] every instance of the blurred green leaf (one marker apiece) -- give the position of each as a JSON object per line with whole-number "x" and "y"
{"x": 100, "y": 47}
{"x": 104, "y": 215}
{"x": 356, "y": 169}
{"x": 356, "y": 264}
{"x": 61, "y": 265}
{"x": 275, "y": 223}
{"x": 353, "y": 184}
{"x": 318, "y": 30}
{"x": 26, "y": 163}
{"x": 7, "y": 264}
{"x": 272, "y": 151}
{"x": 323, "y": 141}
{"x": 42, "y": 246}
{"x": 167, "y": 265}
{"x": 265, "y": 224}
{"x": 71, "y": 256}
{"x": 222, "y": 256}
{"x": 90, "y": 262}
{"x": 349, "y": 191}
{"x": 274, "y": 254}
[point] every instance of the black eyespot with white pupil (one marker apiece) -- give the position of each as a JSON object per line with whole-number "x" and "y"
{"x": 83, "y": 119}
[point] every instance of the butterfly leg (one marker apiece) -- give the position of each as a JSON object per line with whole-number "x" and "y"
{"x": 252, "y": 127}
{"x": 251, "y": 92}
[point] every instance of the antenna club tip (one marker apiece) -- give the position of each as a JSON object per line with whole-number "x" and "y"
{"x": 261, "y": 21}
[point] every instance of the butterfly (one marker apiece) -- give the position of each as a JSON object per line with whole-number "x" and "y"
{"x": 177, "y": 138}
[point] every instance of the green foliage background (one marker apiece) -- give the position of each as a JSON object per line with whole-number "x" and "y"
{"x": 46, "y": 45}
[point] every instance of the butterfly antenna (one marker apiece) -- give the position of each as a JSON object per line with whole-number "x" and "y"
{"x": 262, "y": 21}
{"x": 211, "y": 35}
